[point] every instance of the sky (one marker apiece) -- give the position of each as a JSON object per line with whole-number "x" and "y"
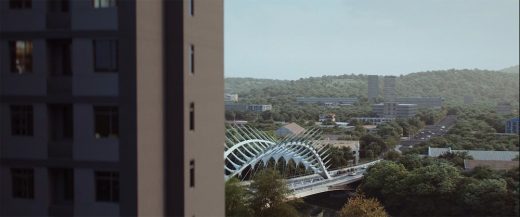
{"x": 292, "y": 39}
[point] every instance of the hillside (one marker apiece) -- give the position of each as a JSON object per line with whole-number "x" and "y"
{"x": 486, "y": 87}
{"x": 512, "y": 69}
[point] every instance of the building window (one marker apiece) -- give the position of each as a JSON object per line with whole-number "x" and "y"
{"x": 106, "y": 121}
{"x": 192, "y": 59}
{"x": 104, "y": 3}
{"x": 23, "y": 183}
{"x": 192, "y": 173}
{"x": 105, "y": 55}
{"x": 21, "y": 56}
{"x": 21, "y": 120}
{"x": 20, "y": 4}
{"x": 192, "y": 7}
{"x": 192, "y": 116}
{"x": 107, "y": 186}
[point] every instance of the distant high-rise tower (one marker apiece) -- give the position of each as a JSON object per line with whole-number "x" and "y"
{"x": 389, "y": 88}
{"x": 373, "y": 87}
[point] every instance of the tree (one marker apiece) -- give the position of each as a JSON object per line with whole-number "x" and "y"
{"x": 392, "y": 155}
{"x": 359, "y": 206}
{"x": 456, "y": 158}
{"x": 236, "y": 199}
{"x": 269, "y": 193}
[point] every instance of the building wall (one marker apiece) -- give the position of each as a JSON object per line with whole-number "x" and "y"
{"x": 85, "y": 81}
{"x": 204, "y": 88}
{"x": 389, "y": 88}
{"x": 85, "y": 203}
{"x": 373, "y": 87}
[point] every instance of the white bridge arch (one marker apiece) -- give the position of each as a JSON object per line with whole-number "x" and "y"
{"x": 246, "y": 147}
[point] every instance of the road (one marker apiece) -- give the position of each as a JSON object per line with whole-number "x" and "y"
{"x": 430, "y": 131}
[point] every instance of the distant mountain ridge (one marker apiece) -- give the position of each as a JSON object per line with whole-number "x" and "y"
{"x": 484, "y": 86}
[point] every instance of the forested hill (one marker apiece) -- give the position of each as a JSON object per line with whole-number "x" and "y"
{"x": 487, "y": 87}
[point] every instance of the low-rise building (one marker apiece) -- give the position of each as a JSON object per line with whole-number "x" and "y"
{"x": 422, "y": 102}
{"x": 394, "y": 110}
{"x": 247, "y": 107}
{"x": 327, "y": 117}
{"x": 327, "y": 101}
{"x": 228, "y": 97}
{"x": 373, "y": 120}
{"x": 476, "y": 154}
{"x": 504, "y": 108}
{"x": 492, "y": 164}
{"x": 289, "y": 130}
{"x": 259, "y": 107}
{"x": 512, "y": 125}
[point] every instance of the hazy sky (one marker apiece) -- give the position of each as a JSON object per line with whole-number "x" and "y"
{"x": 290, "y": 39}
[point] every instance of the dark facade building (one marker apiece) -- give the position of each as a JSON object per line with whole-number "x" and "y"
{"x": 389, "y": 88}
{"x": 373, "y": 88}
{"x": 111, "y": 107}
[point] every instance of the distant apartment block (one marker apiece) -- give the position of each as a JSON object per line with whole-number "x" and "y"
{"x": 422, "y": 102}
{"x": 228, "y": 97}
{"x": 512, "y": 125}
{"x": 327, "y": 101}
{"x": 247, "y": 107}
{"x": 389, "y": 88}
{"x": 373, "y": 88}
{"x": 111, "y": 108}
{"x": 394, "y": 110}
{"x": 504, "y": 108}
{"x": 373, "y": 120}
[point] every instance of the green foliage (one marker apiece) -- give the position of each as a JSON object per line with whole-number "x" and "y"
{"x": 360, "y": 206}
{"x": 340, "y": 157}
{"x": 392, "y": 155}
{"x": 237, "y": 204}
{"x": 475, "y": 130}
{"x": 457, "y": 158}
{"x": 434, "y": 187}
{"x": 372, "y": 146}
{"x": 486, "y": 87}
{"x": 269, "y": 192}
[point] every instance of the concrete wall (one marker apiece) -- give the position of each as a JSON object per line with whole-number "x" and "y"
{"x": 205, "y": 88}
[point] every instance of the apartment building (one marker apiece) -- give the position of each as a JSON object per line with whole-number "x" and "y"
{"x": 111, "y": 107}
